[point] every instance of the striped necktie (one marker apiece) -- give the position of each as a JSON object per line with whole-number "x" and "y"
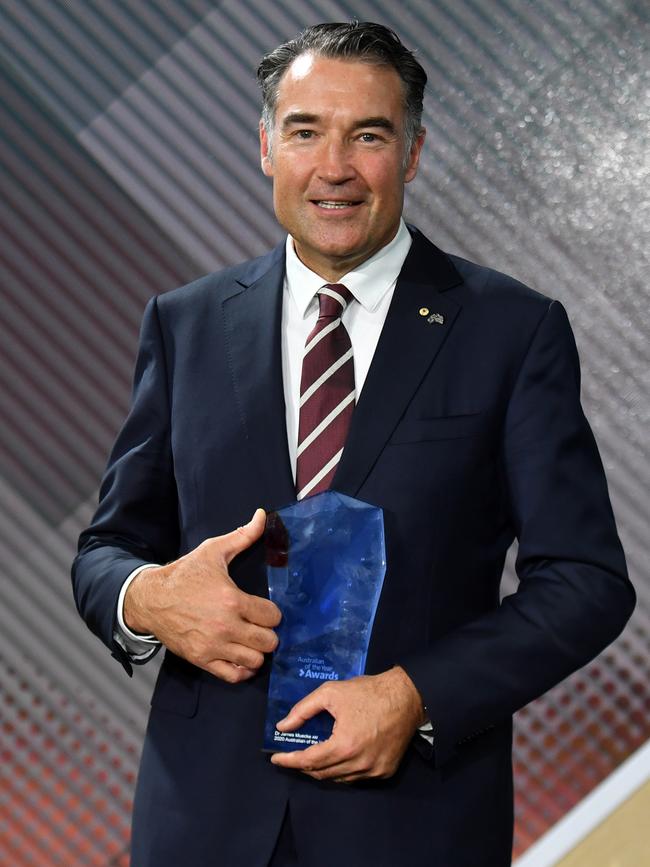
{"x": 326, "y": 394}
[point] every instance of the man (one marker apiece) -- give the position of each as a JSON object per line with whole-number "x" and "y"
{"x": 467, "y": 431}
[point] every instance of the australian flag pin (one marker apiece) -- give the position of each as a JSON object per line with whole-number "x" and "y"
{"x": 436, "y": 318}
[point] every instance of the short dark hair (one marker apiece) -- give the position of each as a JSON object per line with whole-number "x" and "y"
{"x": 352, "y": 40}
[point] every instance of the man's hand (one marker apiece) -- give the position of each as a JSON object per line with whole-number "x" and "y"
{"x": 375, "y": 718}
{"x": 196, "y": 610}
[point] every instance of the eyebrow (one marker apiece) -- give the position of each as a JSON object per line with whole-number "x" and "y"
{"x": 297, "y": 117}
{"x": 381, "y": 122}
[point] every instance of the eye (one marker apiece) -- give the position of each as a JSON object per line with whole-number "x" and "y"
{"x": 304, "y": 134}
{"x": 369, "y": 137}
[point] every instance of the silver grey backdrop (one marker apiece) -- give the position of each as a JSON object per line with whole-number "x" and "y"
{"x": 129, "y": 165}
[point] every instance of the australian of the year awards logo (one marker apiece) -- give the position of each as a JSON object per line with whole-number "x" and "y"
{"x": 316, "y": 669}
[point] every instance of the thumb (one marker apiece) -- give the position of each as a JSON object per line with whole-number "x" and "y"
{"x": 238, "y": 540}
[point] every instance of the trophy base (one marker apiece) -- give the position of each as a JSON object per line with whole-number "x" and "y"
{"x": 315, "y": 731}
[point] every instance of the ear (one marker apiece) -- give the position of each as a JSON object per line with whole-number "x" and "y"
{"x": 265, "y": 159}
{"x": 414, "y": 159}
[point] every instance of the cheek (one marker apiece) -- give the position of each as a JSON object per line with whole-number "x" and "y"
{"x": 288, "y": 183}
{"x": 386, "y": 181}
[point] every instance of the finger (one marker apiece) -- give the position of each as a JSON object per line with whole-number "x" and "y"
{"x": 238, "y": 540}
{"x": 350, "y": 778}
{"x": 260, "y": 611}
{"x": 303, "y": 710}
{"x": 316, "y": 758}
{"x": 228, "y": 671}
{"x": 300, "y": 760}
{"x": 241, "y": 655}
{"x": 351, "y": 768}
{"x": 335, "y": 774}
{"x": 264, "y": 640}
{"x": 339, "y": 772}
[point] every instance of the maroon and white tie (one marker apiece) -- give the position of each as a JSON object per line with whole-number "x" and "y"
{"x": 326, "y": 394}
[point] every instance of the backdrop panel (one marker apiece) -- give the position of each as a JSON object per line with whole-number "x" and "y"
{"x": 129, "y": 165}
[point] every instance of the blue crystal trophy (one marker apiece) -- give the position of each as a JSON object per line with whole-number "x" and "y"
{"x": 326, "y": 562}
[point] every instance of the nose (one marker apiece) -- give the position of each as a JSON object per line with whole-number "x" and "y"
{"x": 336, "y": 166}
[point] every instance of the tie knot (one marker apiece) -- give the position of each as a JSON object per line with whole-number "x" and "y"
{"x": 333, "y": 298}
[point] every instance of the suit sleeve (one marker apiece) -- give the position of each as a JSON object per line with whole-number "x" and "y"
{"x": 136, "y": 521}
{"x": 574, "y": 596}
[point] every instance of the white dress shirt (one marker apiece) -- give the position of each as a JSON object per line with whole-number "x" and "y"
{"x": 372, "y": 284}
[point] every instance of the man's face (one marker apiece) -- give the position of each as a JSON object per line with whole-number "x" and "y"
{"x": 337, "y": 160}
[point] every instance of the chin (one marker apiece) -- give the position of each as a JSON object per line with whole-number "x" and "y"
{"x": 339, "y": 245}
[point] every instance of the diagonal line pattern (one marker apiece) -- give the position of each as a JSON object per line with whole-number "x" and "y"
{"x": 304, "y": 397}
{"x": 327, "y": 394}
{"x": 309, "y": 439}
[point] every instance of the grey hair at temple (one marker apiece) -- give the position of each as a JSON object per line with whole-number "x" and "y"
{"x": 355, "y": 40}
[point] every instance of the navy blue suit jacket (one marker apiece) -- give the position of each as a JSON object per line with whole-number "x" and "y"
{"x": 468, "y": 433}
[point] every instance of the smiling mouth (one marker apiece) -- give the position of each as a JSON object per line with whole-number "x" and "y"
{"x": 328, "y": 204}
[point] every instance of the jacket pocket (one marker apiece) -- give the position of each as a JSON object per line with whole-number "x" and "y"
{"x": 412, "y": 430}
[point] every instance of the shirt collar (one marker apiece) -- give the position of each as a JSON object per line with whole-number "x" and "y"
{"x": 368, "y": 283}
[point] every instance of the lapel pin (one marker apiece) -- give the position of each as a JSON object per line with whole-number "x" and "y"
{"x": 438, "y": 318}
{"x": 424, "y": 311}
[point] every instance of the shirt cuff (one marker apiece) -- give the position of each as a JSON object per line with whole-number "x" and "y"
{"x": 426, "y": 731}
{"x": 139, "y": 647}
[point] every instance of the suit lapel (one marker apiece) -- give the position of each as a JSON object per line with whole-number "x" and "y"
{"x": 252, "y": 316}
{"x": 406, "y": 349}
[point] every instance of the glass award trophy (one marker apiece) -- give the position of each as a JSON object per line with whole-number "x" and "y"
{"x": 326, "y": 562}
